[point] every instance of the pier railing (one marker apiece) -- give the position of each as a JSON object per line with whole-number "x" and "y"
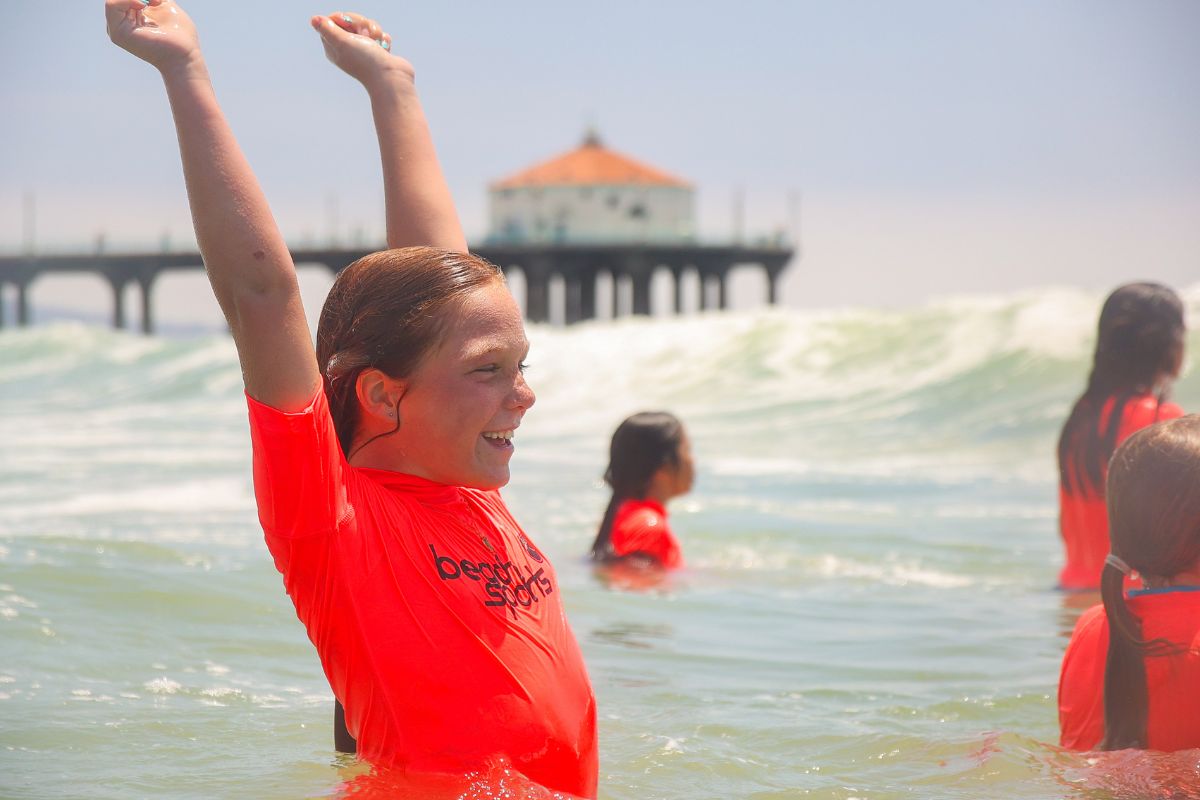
{"x": 577, "y": 265}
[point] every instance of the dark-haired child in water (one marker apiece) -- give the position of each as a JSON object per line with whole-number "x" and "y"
{"x": 1139, "y": 352}
{"x": 1131, "y": 674}
{"x": 650, "y": 462}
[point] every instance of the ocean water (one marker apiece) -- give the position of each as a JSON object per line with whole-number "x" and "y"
{"x": 867, "y": 611}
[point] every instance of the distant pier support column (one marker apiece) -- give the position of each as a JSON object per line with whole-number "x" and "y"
{"x": 773, "y": 285}
{"x": 572, "y": 297}
{"x": 2, "y": 284}
{"x": 537, "y": 291}
{"x": 705, "y": 282}
{"x": 23, "y": 315}
{"x": 677, "y": 275}
{"x": 614, "y": 279}
{"x": 587, "y": 294}
{"x": 641, "y": 294}
{"x": 639, "y": 273}
{"x": 146, "y": 283}
{"x": 723, "y": 289}
{"x": 118, "y": 315}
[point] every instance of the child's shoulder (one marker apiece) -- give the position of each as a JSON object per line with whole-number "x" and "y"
{"x": 642, "y": 513}
{"x": 1144, "y": 410}
{"x": 1091, "y": 623}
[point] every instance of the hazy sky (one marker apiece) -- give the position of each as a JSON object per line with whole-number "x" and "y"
{"x": 939, "y": 147}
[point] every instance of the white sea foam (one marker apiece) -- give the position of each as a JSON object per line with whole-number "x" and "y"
{"x": 268, "y": 701}
{"x": 895, "y": 574}
{"x": 810, "y": 365}
{"x": 162, "y": 685}
{"x": 794, "y": 367}
{"x": 744, "y": 557}
{"x": 981, "y": 511}
{"x": 829, "y": 566}
{"x": 209, "y": 495}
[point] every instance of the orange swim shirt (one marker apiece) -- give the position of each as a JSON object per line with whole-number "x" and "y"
{"x": 1083, "y": 517}
{"x": 1172, "y": 682}
{"x": 439, "y": 624}
{"x": 640, "y": 526}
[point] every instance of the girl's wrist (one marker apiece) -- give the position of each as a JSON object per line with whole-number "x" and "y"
{"x": 187, "y": 69}
{"x": 391, "y": 83}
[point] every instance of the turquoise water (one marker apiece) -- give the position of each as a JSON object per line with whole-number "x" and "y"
{"x": 867, "y": 611}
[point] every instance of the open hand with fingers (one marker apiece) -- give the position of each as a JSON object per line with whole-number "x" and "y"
{"x": 360, "y": 47}
{"x": 156, "y": 31}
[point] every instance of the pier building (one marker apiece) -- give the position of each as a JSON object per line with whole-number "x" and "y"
{"x": 588, "y": 218}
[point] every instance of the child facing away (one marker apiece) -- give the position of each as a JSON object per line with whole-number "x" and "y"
{"x": 1139, "y": 352}
{"x": 1131, "y": 673}
{"x": 650, "y": 462}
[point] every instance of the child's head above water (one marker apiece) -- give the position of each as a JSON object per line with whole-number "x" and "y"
{"x": 1139, "y": 342}
{"x": 422, "y": 352}
{"x": 650, "y": 458}
{"x": 1139, "y": 350}
{"x": 1154, "y": 499}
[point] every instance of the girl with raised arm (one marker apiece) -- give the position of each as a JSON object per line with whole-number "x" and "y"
{"x": 1131, "y": 674}
{"x": 378, "y": 456}
{"x": 1139, "y": 351}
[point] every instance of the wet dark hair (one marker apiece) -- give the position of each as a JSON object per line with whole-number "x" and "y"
{"x": 641, "y": 445}
{"x": 387, "y": 311}
{"x": 1140, "y": 336}
{"x": 1154, "y": 523}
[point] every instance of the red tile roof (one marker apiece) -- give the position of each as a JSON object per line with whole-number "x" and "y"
{"x": 589, "y": 164}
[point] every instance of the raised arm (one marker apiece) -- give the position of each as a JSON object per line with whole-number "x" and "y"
{"x": 247, "y": 261}
{"x": 420, "y": 209}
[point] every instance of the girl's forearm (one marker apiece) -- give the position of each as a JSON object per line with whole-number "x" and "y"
{"x": 247, "y": 261}
{"x": 242, "y": 248}
{"x": 419, "y": 207}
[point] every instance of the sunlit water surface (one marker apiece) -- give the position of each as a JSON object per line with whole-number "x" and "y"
{"x": 867, "y": 609}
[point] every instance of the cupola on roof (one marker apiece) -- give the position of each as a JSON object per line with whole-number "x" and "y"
{"x": 590, "y": 164}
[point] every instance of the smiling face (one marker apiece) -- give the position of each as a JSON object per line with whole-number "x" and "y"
{"x": 461, "y": 405}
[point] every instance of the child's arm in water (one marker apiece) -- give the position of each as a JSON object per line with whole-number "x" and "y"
{"x": 420, "y": 209}
{"x": 247, "y": 261}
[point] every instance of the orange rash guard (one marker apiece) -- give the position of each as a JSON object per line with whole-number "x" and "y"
{"x": 437, "y": 621}
{"x": 1172, "y": 682}
{"x": 640, "y": 526}
{"x": 1083, "y": 517}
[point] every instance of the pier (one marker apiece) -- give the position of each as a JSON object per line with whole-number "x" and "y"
{"x": 577, "y": 266}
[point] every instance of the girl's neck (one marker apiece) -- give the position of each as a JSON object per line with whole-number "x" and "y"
{"x": 1188, "y": 578}
{"x": 659, "y": 496}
